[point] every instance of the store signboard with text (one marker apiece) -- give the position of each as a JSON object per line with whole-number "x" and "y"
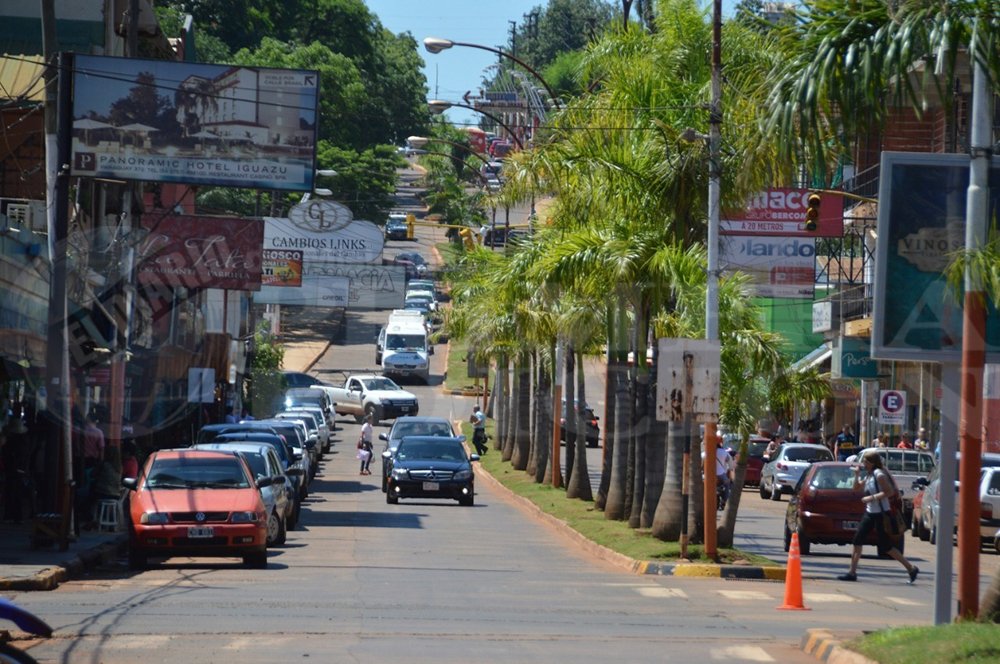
{"x": 780, "y": 267}
{"x": 781, "y": 212}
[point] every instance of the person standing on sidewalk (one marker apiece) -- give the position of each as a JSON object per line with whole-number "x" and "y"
{"x": 879, "y": 489}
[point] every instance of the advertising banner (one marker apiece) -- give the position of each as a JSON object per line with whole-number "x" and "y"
{"x": 371, "y": 286}
{"x": 781, "y": 267}
{"x": 352, "y": 242}
{"x": 921, "y": 224}
{"x": 782, "y": 212}
{"x": 282, "y": 267}
{"x": 200, "y": 252}
{"x": 687, "y": 380}
{"x": 197, "y": 123}
{"x": 314, "y": 292}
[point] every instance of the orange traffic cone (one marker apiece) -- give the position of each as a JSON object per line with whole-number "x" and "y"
{"x": 793, "y": 579}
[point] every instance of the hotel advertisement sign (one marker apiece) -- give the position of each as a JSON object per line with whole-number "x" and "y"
{"x": 195, "y": 123}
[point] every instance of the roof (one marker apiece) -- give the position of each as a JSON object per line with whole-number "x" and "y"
{"x": 21, "y": 78}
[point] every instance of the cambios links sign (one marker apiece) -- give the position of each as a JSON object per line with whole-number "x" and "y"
{"x": 781, "y": 212}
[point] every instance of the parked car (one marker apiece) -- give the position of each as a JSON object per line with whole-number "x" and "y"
{"x": 756, "y": 447}
{"x": 196, "y": 503}
{"x": 782, "y": 473}
{"x": 412, "y": 425}
{"x": 931, "y": 504}
{"x": 430, "y": 467}
{"x": 263, "y": 461}
{"x": 209, "y": 432}
{"x": 290, "y": 461}
{"x": 313, "y": 397}
{"x": 905, "y": 466}
{"x": 396, "y": 228}
{"x": 591, "y": 428}
{"x": 296, "y": 435}
{"x": 320, "y": 418}
{"x": 413, "y": 257}
{"x": 826, "y": 508}
{"x": 291, "y": 379}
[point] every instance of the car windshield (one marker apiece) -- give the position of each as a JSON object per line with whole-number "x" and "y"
{"x": 380, "y": 384}
{"x": 838, "y": 477}
{"x": 417, "y": 259}
{"x": 422, "y": 449}
{"x": 203, "y": 473}
{"x": 404, "y": 341}
{"x": 808, "y": 454}
{"x": 421, "y": 429}
{"x": 757, "y": 447}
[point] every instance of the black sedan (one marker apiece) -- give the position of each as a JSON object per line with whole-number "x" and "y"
{"x": 590, "y": 426}
{"x": 430, "y": 467}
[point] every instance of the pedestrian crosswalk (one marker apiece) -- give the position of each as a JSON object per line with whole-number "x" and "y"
{"x": 653, "y": 591}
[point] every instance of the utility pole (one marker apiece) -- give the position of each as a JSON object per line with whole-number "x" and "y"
{"x": 712, "y": 282}
{"x": 513, "y": 37}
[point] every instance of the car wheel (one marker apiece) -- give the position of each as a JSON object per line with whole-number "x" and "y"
{"x": 282, "y": 532}
{"x": 763, "y": 491}
{"x": 385, "y": 483}
{"x": 293, "y": 518}
{"x": 932, "y": 538}
{"x": 273, "y": 526}
{"x": 467, "y": 501}
{"x": 359, "y": 418}
{"x": 372, "y": 410}
{"x": 256, "y": 560}
{"x": 788, "y": 538}
{"x": 915, "y": 525}
{"x": 775, "y": 492}
{"x": 391, "y": 499}
{"x": 136, "y": 558}
{"x": 804, "y": 545}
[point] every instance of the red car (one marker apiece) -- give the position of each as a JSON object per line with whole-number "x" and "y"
{"x": 197, "y": 503}
{"x": 755, "y": 459}
{"x": 826, "y": 509}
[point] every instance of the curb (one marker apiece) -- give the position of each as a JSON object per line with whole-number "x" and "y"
{"x": 691, "y": 570}
{"x": 821, "y": 644}
{"x": 49, "y": 579}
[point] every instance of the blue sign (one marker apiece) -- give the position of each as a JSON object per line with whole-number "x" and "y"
{"x": 853, "y": 359}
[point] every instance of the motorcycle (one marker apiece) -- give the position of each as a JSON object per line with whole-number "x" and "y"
{"x": 27, "y": 622}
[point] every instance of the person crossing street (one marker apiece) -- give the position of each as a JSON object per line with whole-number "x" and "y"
{"x": 478, "y": 420}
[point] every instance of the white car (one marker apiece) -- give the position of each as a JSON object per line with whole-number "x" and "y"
{"x": 781, "y": 474}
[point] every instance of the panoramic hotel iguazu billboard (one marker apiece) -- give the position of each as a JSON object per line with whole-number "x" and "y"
{"x": 194, "y": 123}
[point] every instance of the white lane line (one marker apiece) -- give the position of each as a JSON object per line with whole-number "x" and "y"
{"x": 828, "y": 598}
{"x": 745, "y": 594}
{"x": 905, "y": 601}
{"x": 658, "y": 591}
{"x": 740, "y": 654}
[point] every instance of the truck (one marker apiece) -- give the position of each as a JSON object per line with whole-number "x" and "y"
{"x": 371, "y": 394}
{"x": 405, "y": 348}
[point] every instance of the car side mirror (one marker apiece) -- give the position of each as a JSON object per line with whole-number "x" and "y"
{"x": 278, "y": 479}
{"x": 383, "y": 436}
{"x": 264, "y": 481}
{"x": 473, "y": 457}
{"x": 130, "y": 483}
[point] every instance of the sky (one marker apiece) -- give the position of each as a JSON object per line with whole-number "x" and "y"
{"x": 453, "y": 72}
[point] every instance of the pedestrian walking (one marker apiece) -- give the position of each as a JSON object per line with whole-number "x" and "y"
{"x": 880, "y": 489}
{"x": 478, "y": 420}
{"x": 365, "y": 445}
{"x": 845, "y": 444}
{"x": 904, "y": 442}
{"x": 921, "y": 443}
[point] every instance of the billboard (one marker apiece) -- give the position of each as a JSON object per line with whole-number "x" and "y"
{"x": 352, "y": 242}
{"x": 195, "y": 123}
{"x": 921, "y": 224}
{"x": 781, "y": 267}
{"x": 315, "y": 291}
{"x": 371, "y": 286}
{"x": 200, "y": 252}
{"x": 282, "y": 268}
{"x": 780, "y": 211}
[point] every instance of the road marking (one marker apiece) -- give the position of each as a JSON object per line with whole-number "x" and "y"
{"x": 251, "y": 642}
{"x": 831, "y": 598}
{"x": 142, "y": 641}
{"x": 740, "y": 653}
{"x": 905, "y": 601}
{"x": 744, "y": 594}
{"x": 657, "y": 591}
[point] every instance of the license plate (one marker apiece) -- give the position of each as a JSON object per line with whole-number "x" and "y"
{"x": 404, "y": 409}
{"x": 431, "y": 486}
{"x": 850, "y": 525}
{"x": 196, "y": 533}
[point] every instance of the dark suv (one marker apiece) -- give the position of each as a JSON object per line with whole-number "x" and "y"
{"x": 591, "y": 429}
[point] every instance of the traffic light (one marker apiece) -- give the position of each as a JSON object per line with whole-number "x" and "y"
{"x": 466, "y": 234}
{"x": 410, "y": 220}
{"x": 812, "y": 211}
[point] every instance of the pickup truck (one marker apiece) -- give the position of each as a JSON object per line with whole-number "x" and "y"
{"x": 371, "y": 394}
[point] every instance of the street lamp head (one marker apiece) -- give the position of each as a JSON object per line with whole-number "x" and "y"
{"x": 436, "y": 45}
{"x": 417, "y": 141}
{"x": 437, "y": 106}
{"x": 690, "y": 135}
{"x": 326, "y": 172}
{"x": 320, "y": 191}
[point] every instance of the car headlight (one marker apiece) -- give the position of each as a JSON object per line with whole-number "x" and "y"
{"x": 245, "y": 517}
{"x": 154, "y": 518}
{"x": 462, "y": 475}
{"x": 399, "y": 473}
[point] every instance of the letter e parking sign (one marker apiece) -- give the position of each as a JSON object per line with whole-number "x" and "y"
{"x": 892, "y": 407}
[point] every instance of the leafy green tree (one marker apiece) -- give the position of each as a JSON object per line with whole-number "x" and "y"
{"x": 365, "y": 181}
{"x": 562, "y": 26}
{"x": 265, "y": 386}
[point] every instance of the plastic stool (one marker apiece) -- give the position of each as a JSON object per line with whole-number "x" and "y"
{"x": 108, "y": 515}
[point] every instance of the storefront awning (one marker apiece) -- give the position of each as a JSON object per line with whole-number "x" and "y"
{"x": 814, "y": 358}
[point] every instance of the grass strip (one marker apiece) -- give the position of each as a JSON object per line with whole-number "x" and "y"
{"x": 965, "y": 642}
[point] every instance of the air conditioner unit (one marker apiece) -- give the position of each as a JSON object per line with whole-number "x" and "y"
{"x": 29, "y": 215}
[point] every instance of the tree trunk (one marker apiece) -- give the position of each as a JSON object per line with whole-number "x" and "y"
{"x": 607, "y": 449}
{"x": 511, "y": 419}
{"x": 543, "y": 446}
{"x": 532, "y": 465}
{"x": 519, "y": 455}
{"x": 727, "y": 529}
{"x": 696, "y": 507}
{"x": 669, "y": 509}
{"x": 615, "y": 506}
{"x": 640, "y": 417}
{"x": 569, "y": 397}
{"x": 579, "y": 485}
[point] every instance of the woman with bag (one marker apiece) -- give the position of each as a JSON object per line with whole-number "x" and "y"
{"x": 879, "y": 489}
{"x": 365, "y": 449}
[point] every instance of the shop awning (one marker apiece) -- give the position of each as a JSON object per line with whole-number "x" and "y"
{"x": 814, "y": 358}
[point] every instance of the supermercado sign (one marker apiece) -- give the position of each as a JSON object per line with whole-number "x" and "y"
{"x": 782, "y": 212}
{"x": 354, "y": 242}
{"x": 779, "y": 266}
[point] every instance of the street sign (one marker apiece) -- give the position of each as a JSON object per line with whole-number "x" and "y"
{"x": 201, "y": 385}
{"x": 892, "y": 407}
{"x": 687, "y": 380}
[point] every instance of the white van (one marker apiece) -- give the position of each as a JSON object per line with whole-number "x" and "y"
{"x": 405, "y": 349}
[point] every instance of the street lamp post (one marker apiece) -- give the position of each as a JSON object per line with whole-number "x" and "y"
{"x": 438, "y": 106}
{"x": 436, "y": 45}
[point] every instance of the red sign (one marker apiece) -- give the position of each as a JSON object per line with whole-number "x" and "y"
{"x": 282, "y": 267}
{"x": 782, "y": 211}
{"x": 201, "y": 252}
